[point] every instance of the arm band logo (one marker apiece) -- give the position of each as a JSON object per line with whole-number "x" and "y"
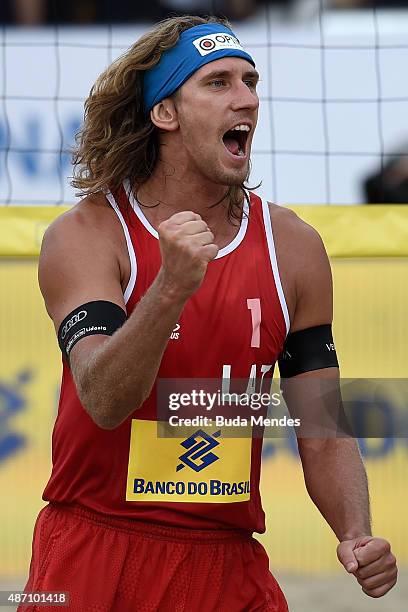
{"x": 307, "y": 350}
{"x": 196, "y": 47}
{"x": 90, "y": 319}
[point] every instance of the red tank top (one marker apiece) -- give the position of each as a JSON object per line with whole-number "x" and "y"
{"x": 234, "y": 326}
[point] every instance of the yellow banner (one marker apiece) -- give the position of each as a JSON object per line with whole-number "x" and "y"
{"x": 347, "y": 231}
{"x": 371, "y": 331}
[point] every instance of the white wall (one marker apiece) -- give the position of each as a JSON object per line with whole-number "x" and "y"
{"x": 295, "y": 124}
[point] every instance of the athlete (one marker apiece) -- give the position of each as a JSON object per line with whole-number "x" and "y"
{"x": 170, "y": 269}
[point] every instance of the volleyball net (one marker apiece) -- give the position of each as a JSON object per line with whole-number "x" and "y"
{"x": 333, "y": 103}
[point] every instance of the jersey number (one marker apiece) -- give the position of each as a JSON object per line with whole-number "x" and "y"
{"x": 254, "y": 305}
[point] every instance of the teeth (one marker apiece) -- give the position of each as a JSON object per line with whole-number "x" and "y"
{"x": 241, "y": 128}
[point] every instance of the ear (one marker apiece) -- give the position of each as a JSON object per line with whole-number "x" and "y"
{"x": 164, "y": 115}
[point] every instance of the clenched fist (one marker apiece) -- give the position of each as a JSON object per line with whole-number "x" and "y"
{"x": 187, "y": 245}
{"x": 372, "y": 563}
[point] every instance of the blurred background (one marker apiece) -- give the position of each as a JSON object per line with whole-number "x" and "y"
{"x": 333, "y": 94}
{"x": 332, "y": 143}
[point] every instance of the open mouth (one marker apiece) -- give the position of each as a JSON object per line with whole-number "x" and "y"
{"x": 235, "y": 140}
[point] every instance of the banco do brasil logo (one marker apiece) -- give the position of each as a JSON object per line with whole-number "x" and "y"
{"x": 199, "y": 453}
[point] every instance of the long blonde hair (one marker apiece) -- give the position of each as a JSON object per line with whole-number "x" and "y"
{"x": 117, "y": 140}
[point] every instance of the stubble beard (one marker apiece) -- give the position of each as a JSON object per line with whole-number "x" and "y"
{"x": 220, "y": 176}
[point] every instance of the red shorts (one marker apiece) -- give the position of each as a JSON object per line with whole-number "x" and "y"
{"x": 117, "y": 565}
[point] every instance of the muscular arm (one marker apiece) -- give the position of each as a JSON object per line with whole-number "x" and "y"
{"x": 79, "y": 263}
{"x": 336, "y": 482}
{"x": 333, "y": 470}
{"x": 114, "y": 376}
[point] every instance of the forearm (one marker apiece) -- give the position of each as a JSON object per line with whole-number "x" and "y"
{"x": 336, "y": 480}
{"x": 120, "y": 373}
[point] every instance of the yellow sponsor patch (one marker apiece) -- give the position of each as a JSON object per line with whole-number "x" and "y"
{"x": 202, "y": 467}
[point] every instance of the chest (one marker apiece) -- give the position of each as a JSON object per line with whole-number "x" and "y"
{"x": 231, "y": 324}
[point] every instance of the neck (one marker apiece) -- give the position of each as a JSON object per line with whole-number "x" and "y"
{"x": 169, "y": 190}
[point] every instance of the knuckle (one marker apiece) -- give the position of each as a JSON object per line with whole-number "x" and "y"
{"x": 190, "y": 254}
{"x": 391, "y": 560}
{"x": 167, "y": 229}
{"x": 162, "y": 227}
{"x": 386, "y": 546}
{"x": 177, "y": 232}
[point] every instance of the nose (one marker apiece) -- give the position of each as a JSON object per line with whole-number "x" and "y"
{"x": 244, "y": 97}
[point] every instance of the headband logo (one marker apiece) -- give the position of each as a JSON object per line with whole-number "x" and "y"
{"x": 207, "y": 44}
{"x": 216, "y": 42}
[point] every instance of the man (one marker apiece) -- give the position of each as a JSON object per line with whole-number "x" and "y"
{"x": 168, "y": 269}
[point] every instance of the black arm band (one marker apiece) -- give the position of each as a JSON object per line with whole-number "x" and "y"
{"x": 92, "y": 318}
{"x": 307, "y": 350}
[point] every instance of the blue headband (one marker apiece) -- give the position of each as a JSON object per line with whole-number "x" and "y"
{"x": 196, "y": 47}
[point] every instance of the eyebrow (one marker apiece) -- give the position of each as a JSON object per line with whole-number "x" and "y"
{"x": 217, "y": 74}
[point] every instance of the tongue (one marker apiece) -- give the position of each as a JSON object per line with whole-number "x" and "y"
{"x": 232, "y": 145}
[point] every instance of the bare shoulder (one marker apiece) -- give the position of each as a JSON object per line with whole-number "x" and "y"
{"x": 293, "y": 234}
{"x": 304, "y": 268}
{"x": 90, "y": 216}
{"x": 80, "y": 257}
